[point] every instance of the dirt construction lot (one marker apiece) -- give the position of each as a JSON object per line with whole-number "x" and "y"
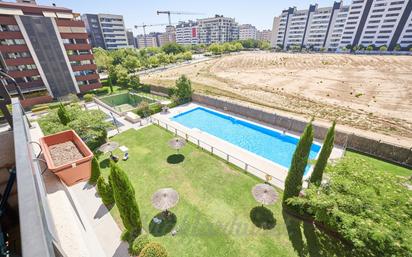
{"x": 372, "y": 93}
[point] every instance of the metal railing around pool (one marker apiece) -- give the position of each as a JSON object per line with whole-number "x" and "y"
{"x": 219, "y": 152}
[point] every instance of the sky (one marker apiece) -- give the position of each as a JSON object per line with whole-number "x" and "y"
{"x": 259, "y": 13}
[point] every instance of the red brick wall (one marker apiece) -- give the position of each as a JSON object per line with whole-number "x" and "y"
{"x": 36, "y": 100}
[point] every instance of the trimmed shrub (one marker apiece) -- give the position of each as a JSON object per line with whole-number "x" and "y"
{"x": 125, "y": 199}
{"x": 145, "y": 88}
{"x": 153, "y": 250}
{"x": 105, "y": 191}
{"x": 173, "y": 104}
{"x": 143, "y": 109}
{"x": 95, "y": 171}
{"x": 327, "y": 147}
{"x": 155, "y": 108}
{"x": 99, "y": 91}
{"x": 88, "y": 97}
{"x": 138, "y": 244}
{"x": 293, "y": 182}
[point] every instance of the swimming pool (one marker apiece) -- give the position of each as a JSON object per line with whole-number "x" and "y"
{"x": 267, "y": 143}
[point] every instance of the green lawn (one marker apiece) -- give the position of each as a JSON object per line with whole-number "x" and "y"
{"x": 213, "y": 216}
{"x": 380, "y": 165}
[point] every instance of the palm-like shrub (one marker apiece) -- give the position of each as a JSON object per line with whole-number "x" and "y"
{"x": 293, "y": 183}
{"x": 105, "y": 191}
{"x": 125, "y": 199}
{"x": 139, "y": 243}
{"x": 153, "y": 250}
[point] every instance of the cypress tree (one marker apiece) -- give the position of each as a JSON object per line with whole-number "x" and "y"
{"x": 125, "y": 199}
{"x": 320, "y": 165}
{"x": 63, "y": 114}
{"x": 95, "y": 171}
{"x": 293, "y": 183}
{"x": 105, "y": 191}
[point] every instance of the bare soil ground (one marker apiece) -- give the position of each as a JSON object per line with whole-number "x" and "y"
{"x": 65, "y": 153}
{"x": 372, "y": 93}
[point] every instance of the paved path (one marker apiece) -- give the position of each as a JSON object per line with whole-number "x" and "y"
{"x": 106, "y": 229}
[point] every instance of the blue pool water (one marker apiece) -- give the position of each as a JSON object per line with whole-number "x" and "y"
{"x": 270, "y": 144}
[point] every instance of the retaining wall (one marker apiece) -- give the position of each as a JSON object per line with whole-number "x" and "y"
{"x": 377, "y": 148}
{"x": 36, "y": 100}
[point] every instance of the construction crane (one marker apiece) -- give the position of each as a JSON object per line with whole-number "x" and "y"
{"x": 144, "y": 29}
{"x": 177, "y": 13}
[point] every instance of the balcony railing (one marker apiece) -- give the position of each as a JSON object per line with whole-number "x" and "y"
{"x": 37, "y": 231}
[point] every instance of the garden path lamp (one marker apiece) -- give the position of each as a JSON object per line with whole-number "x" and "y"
{"x": 177, "y": 143}
{"x": 164, "y": 199}
{"x": 265, "y": 194}
{"x": 109, "y": 147}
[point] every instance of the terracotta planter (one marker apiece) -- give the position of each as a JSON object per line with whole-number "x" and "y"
{"x": 72, "y": 172}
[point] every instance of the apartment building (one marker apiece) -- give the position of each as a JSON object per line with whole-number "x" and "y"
{"x": 167, "y": 37}
{"x": 309, "y": 28}
{"x": 106, "y": 30}
{"x": 94, "y": 30}
{"x": 275, "y": 32}
{"x": 247, "y": 31}
{"x": 46, "y": 49}
{"x": 187, "y": 33}
{"x": 130, "y": 38}
{"x": 217, "y": 29}
{"x": 373, "y": 22}
{"x": 149, "y": 41}
{"x": 264, "y": 35}
{"x": 322, "y": 23}
{"x": 363, "y": 22}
